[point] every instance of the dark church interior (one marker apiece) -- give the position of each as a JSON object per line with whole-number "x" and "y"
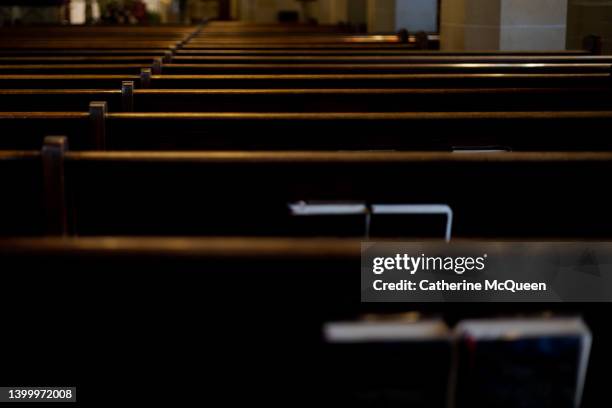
{"x": 191, "y": 191}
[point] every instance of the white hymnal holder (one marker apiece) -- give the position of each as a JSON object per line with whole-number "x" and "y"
{"x": 304, "y": 208}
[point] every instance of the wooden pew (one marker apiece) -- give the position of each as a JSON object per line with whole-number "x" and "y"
{"x": 288, "y": 81}
{"x": 213, "y": 29}
{"x": 321, "y": 47}
{"x": 271, "y": 56}
{"x": 306, "y": 57}
{"x": 98, "y": 129}
{"x": 304, "y": 69}
{"x": 282, "y": 38}
{"x": 70, "y": 31}
{"x": 84, "y": 53}
{"x": 492, "y": 195}
{"x": 180, "y": 281}
{"x": 205, "y": 37}
{"x": 63, "y": 57}
{"x": 78, "y": 59}
{"x": 428, "y": 130}
{"x": 49, "y": 36}
{"x": 207, "y": 40}
{"x": 81, "y": 69}
{"x": 374, "y": 81}
{"x": 89, "y": 44}
{"x": 168, "y": 305}
{"x": 307, "y": 100}
{"x": 104, "y": 41}
{"x": 368, "y": 100}
{"x": 563, "y": 56}
{"x": 497, "y": 195}
{"x": 337, "y": 259}
{"x": 66, "y": 81}
{"x": 378, "y": 81}
{"x": 194, "y": 300}
{"x": 53, "y": 100}
{"x": 367, "y": 68}
{"x": 310, "y": 43}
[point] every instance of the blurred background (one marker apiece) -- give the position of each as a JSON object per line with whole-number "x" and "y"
{"x": 467, "y": 24}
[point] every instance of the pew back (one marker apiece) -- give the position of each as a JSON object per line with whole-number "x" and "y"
{"x": 240, "y": 193}
{"x": 520, "y": 131}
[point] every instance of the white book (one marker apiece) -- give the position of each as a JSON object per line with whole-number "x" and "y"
{"x": 507, "y": 330}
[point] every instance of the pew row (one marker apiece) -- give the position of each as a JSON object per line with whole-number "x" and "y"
{"x": 106, "y": 53}
{"x": 151, "y": 306}
{"x": 367, "y": 68}
{"x": 405, "y": 59}
{"x": 484, "y": 56}
{"x": 242, "y": 57}
{"x": 305, "y": 58}
{"x": 284, "y": 81}
{"x": 393, "y": 52}
{"x": 493, "y": 195}
{"x": 309, "y": 68}
{"x": 99, "y": 130}
{"x": 129, "y": 99}
{"x": 262, "y": 51}
{"x": 12, "y": 45}
{"x": 231, "y": 305}
{"x": 87, "y": 59}
{"x": 88, "y": 69}
{"x": 295, "y": 81}
{"x": 66, "y": 81}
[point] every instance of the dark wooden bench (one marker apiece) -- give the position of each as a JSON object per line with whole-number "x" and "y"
{"x": 307, "y": 100}
{"x": 196, "y": 301}
{"x": 47, "y": 31}
{"x": 143, "y": 61}
{"x": 93, "y": 41}
{"x": 64, "y": 57}
{"x": 46, "y": 53}
{"x": 306, "y": 38}
{"x": 297, "y": 258}
{"x": 368, "y": 100}
{"x": 287, "y": 81}
{"x": 81, "y": 69}
{"x": 295, "y": 56}
{"x": 493, "y": 195}
{"x": 531, "y": 130}
{"x": 66, "y": 81}
{"x": 375, "y": 81}
{"x": 175, "y": 302}
{"x": 89, "y": 44}
{"x": 346, "y": 68}
{"x": 306, "y": 57}
{"x": 307, "y": 68}
{"x": 562, "y": 56}
{"x": 61, "y": 99}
